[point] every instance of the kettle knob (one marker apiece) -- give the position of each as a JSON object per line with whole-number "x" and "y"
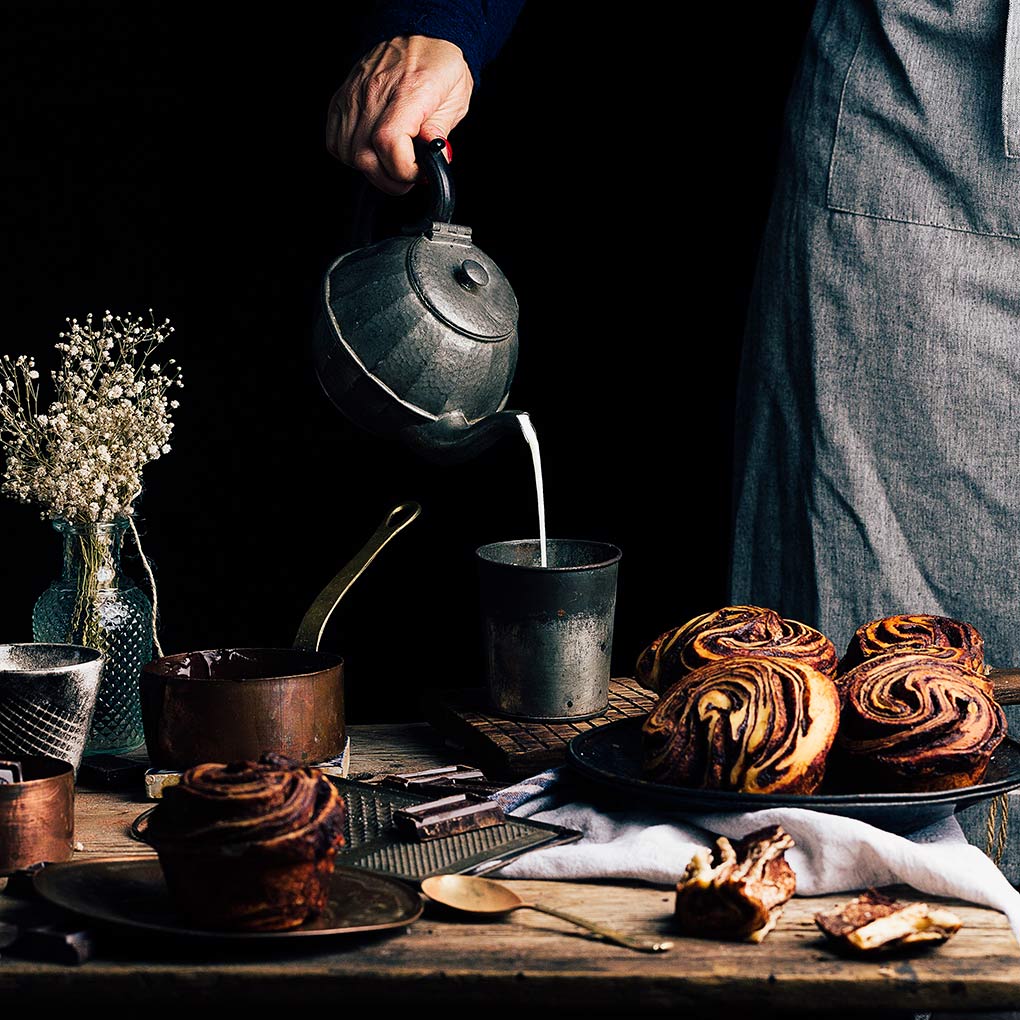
{"x": 472, "y": 274}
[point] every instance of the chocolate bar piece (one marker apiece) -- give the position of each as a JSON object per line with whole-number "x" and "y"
{"x": 10, "y": 772}
{"x": 111, "y": 771}
{"x": 448, "y": 774}
{"x": 55, "y": 943}
{"x": 448, "y": 779}
{"x": 447, "y": 817}
{"x": 8, "y": 935}
{"x": 20, "y": 885}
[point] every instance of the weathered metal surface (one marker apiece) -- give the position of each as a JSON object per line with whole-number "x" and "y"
{"x": 417, "y": 336}
{"x": 548, "y": 631}
{"x": 37, "y": 815}
{"x": 47, "y": 698}
{"x": 233, "y": 704}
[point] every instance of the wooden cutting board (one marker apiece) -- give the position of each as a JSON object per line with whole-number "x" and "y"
{"x": 514, "y": 749}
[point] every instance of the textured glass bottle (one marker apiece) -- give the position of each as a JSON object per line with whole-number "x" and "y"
{"x": 94, "y": 603}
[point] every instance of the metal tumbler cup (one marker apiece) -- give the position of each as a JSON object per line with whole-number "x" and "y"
{"x": 548, "y": 631}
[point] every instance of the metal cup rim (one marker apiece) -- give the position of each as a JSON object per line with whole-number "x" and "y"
{"x": 93, "y": 655}
{"x": 613, "y": 555}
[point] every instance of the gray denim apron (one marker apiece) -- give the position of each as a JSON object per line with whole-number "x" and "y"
{"x": 878, "y": 431}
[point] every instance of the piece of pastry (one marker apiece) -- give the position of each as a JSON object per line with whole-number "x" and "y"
{"x": 913, "y": 721}
{"x": 733, "y": 630}
{"x": 950, "y": 639}
{"x": 874, "y": 922}
{"x": 249, "y": 846}
{"x": 736, "y": 891}
{"x": 754, "y": 724}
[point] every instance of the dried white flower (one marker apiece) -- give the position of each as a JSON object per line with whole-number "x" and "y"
{"x": 82, "y": 459}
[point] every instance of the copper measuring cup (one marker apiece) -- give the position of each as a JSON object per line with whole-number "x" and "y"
{"x": 232, "y": 704}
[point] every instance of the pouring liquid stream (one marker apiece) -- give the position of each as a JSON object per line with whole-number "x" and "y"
{"x": 531, "y": 437}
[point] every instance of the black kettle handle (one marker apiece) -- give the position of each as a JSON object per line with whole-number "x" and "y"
{"x": 431, "y": 158}
{"x": 434, "y": 164}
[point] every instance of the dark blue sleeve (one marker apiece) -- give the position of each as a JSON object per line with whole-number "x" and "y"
{"x": 478, "y": 27}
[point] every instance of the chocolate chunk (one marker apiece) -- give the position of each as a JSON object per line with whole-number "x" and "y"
{"x": 111, "y": 771}
{"x": 447, "y": 817}
{"x": 55, "y": 943}
{"x": 448, "y": 774}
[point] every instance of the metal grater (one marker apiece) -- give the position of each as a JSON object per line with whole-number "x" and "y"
{"x": 372, "y": 841}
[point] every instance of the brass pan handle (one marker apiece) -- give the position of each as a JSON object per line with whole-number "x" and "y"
{"x": 314, "y": 623}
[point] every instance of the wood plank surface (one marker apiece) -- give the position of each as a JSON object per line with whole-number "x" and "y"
{"x": 1006, "y": 683}
{"x": 526, "y": 960}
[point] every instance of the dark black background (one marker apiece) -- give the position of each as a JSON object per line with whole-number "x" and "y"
{"x": 617, "y": 167}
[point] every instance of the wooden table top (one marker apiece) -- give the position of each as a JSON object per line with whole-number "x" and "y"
{"x": 524, "y": 960}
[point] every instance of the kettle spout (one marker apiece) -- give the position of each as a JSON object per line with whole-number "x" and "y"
{"x": 451, "y": 438}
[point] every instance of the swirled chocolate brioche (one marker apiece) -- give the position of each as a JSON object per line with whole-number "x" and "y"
{"x": 946, "y": 638}
{"x": 250, "y": 845}
{"x": 733, "y": 630}
{"x": 754, "y": 724}
{"x": 913, "y": 721}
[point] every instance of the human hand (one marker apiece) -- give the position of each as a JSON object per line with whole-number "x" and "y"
{"x": 409, "y": 87}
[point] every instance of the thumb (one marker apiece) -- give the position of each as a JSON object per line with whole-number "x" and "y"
{"x": 435, "y": 127}
{"x": 441, "y": 121}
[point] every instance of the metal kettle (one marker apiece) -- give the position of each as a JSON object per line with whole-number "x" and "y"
{"x": 417, "y": 336}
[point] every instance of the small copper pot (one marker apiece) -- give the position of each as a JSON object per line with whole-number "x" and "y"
{"x": 233, "y": 704}
{"x": 37, "y": 815}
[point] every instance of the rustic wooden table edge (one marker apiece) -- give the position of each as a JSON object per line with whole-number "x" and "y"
{"x": 527, "y": 960}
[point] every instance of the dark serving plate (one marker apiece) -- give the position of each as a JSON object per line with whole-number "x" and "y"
{"x": 610, "y": 758}
{"x": 130, "y": 892}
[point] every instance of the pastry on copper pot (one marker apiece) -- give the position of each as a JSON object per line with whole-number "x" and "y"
{"x": 912, "y": 721}
{"x": 753, "y": 724}
{"x": 733, "y": 630}
{"x": 950, "y": 639}
{"x": 249, "y": 846}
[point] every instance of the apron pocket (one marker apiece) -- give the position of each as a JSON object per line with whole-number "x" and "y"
{"x": 917, "y": 136}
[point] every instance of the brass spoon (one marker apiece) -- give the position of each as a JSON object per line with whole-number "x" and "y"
{"x": 481, "y": 896}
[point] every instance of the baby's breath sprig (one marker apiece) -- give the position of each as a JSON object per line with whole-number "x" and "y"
{"x": 111, "y": 415}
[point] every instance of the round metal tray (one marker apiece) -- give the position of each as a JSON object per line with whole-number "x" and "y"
{"x": 130, "y": 892}
{"x": 610, "y": 758}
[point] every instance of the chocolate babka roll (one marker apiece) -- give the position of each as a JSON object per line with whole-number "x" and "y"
{"x": 913, "y": 721}
{"x": 733, "y": 630}
{"x": 754, "y": 724}
{"x": 250, "y": 845}
{"x": 950, "y": 639}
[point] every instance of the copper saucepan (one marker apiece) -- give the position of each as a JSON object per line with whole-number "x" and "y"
{"x": 232, "y": 704}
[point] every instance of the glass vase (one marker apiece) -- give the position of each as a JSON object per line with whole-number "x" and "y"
{"x": 94, "y": 603}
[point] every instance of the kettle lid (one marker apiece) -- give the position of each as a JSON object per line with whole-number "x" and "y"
{"x": 460, "y": 284}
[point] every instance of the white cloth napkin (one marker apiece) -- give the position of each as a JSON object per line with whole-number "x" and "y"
{"x": 832, "y": 853}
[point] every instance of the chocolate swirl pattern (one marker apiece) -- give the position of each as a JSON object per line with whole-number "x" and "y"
{"x": 752, "y": 724}
{"x": 949, "y": 639}
{"x": 268, "y": 806}
{"x": 733, "y": 630}
{"x": 250, "y": 845}
{"x": 914, "y": 721}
